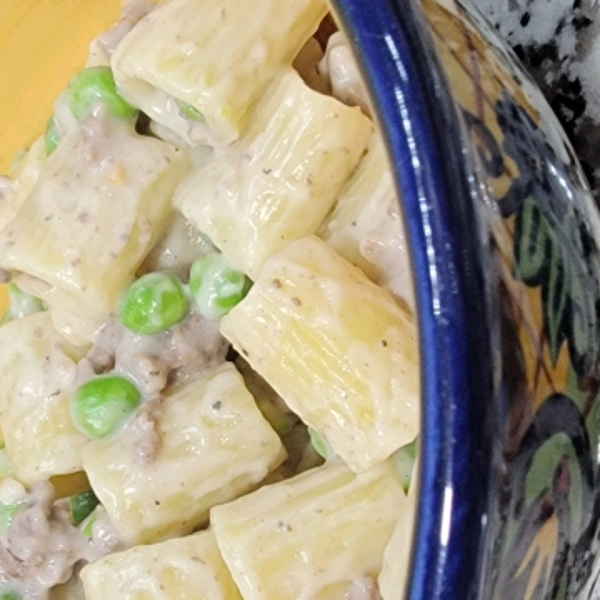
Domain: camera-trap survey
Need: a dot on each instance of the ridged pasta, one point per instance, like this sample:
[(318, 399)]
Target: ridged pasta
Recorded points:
[(23, 183), (180, 246), (215, 56), (366, 228), (337, 348), (313, 537), (37, 375), (215, 445), (98, 207), (395, 571), (180, 569), (72, 318), (279, 182)]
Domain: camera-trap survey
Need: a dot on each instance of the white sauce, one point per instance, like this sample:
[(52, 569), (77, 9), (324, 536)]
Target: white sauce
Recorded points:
[(365, 588), (5, 187), (103, 47), (340, 67), (179, 248), (153, 362), (385, 246)]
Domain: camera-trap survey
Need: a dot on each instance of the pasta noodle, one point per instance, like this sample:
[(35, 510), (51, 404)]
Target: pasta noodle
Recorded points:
[(325, 530), (189, 567), (216, 56), (71, 317), (281, 180), (365, 227), (25, 178), (214, 446), (89, 222), (337, 349), (37, 375), (394, 573)]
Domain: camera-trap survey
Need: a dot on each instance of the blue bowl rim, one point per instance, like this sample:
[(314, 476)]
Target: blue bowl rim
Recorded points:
[(463, 413)]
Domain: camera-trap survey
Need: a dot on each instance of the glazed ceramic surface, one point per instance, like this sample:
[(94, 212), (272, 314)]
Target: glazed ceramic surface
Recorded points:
[(545, 234), (504, 240), (509, 502)]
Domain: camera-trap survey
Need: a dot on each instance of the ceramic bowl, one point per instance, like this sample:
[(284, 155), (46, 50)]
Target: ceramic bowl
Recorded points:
[(504, 238)]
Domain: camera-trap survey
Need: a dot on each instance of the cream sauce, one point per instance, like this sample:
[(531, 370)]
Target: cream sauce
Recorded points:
[(153, 362), (133, 12), (365, 588), (339, 66), (178, 249), (385, 246)]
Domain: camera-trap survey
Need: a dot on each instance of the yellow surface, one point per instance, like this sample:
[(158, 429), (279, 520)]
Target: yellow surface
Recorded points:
[(43, 43), (71, 484), (4, 300)]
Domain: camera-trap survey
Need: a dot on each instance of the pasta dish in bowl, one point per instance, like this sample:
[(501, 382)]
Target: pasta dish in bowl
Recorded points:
[(208, 350), (221, 377)]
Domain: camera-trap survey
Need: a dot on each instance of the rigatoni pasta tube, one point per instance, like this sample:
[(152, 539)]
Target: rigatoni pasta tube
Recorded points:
[(396, 563), (24, 181), (98, 207), (37, 376), (313, 537), (215, 445), (366, 228), (394, 574), (279, 182), (72, 318), (189, 567), (336, 347), (198, 67)]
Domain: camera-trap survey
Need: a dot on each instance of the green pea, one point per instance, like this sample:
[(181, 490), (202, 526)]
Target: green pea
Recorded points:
[(215, 286), (7, 514), (405, 458), (153, 303), (102, 405), (21, 304), (9, 596), (320, 444), (52, 137), (93, 86), (82, 506), (192, 113)]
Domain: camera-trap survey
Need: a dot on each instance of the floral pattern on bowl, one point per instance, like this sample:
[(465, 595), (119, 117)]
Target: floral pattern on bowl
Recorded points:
[(545, 232)]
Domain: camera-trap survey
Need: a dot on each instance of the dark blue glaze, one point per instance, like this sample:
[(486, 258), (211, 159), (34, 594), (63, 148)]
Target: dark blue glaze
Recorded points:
[(463, 423)]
